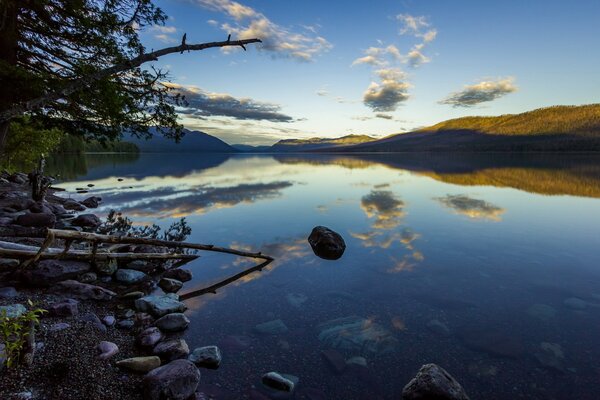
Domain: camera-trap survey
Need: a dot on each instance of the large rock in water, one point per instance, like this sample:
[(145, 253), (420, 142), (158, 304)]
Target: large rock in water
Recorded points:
[(83, 291), (433, 383), (48, 272), (177, 380), (160, 305), (326, 243)]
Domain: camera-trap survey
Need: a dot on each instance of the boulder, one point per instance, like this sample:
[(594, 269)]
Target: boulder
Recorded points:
[(149, 337), (433, 382), (274, 327), (182, 275), (13, 310), (83, 291), (48, 272), (177, 380), (86, 221), (139, 364), (276, 381), (129, 276), (66, 308), (170, 350), (41, 220), (106, 350), (158, 306), (92, 202), (326, 243), (170, 285), (172, 322), (207, 357)]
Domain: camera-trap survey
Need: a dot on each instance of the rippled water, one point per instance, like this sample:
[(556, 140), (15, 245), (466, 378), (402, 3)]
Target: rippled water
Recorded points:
[(487, 265)]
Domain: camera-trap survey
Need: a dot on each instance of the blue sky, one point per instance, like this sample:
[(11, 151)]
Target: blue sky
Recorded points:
[(331, 68)]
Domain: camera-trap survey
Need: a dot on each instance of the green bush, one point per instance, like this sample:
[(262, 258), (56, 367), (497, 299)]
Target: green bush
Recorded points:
[(14, 332)]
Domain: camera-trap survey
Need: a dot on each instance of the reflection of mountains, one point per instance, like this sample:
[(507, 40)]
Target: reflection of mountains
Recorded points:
[(577, 175)]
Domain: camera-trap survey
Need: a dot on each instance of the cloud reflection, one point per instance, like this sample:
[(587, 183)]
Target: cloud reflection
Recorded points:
[(472, 208)]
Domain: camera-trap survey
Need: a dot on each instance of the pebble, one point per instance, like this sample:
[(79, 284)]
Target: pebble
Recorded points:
[(125, 324), (108, 320), (59, 326), (139, 364), (106, 350)]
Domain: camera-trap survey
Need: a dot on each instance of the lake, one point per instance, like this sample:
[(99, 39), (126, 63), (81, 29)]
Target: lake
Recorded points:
[(488, 265)]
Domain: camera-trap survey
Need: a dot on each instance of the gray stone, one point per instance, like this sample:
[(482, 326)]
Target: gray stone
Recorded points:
[(160, 305), (13, 310), (207, 357), (66, 308), (107, 268), (8, 264), (92, 202), (142, 265), (272, 327), (170, 350), (433, 382), (8, 292), (126, 313), (48, 272), (40, 220), (73, 205), (177, 380), (326, 243), (83, 291), (107, 350), (174, 322), (129, 276), (182, 275), (88, 277), (108, 320), (93, 319), (438, 327), (86, 221), (277, 381), (125, 324), (139, 364), (170, 285), (150, 337), (59, 326)]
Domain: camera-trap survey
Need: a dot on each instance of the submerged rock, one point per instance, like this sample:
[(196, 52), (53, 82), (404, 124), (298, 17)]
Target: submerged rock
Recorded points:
[(177, 380), (357, 334), (158, 306), (180, 274), (334, 360), (139, 364), (296, 299), (207, 357), (542, 312), (272, 327), (170, 285), (172, 322), (575, 303), (551, 356), (433, 382), (493, 341), (326, 243), (277, 381), (438, 327)]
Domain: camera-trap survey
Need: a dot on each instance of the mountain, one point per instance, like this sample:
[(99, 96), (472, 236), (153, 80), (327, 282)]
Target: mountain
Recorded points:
[(246, 148), (192, 142), (558, 128), (302, 145)]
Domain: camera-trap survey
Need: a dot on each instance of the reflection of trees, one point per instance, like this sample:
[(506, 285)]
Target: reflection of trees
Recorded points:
[(387, 210), (472, 208), (71, 166)]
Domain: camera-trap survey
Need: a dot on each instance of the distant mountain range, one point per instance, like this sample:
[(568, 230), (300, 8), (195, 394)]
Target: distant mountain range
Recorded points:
[(558, 128)]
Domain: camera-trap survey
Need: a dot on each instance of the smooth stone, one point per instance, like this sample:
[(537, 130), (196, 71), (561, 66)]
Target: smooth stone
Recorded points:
[(8, 292), (160, 305), (94, 320), (66, 308), (73, 205), (125, 324), (170, 285), (276, 381), (126, 313), (139, 364), (326, 243), (92, 202), (150, 337), (107, 268), (86, 221), (83, 291), (177, 380), (143, 319), (37, 220), (438, 327), (272, 327), (182, 275), (59, 326), (13, 310), (575, 303), (172, 322), (108, 320), (334, 360), (48, 272), (132, 295), (129, 276), (433, 382), (207, 357), (106, 350), (170, 350)]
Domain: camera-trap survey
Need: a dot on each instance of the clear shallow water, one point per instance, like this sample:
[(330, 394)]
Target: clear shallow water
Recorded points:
[(485, 264)]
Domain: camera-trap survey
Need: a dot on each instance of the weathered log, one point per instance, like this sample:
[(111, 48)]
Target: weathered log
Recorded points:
[(88, 256)]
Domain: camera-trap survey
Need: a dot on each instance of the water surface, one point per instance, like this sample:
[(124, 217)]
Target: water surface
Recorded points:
[(487, 265)]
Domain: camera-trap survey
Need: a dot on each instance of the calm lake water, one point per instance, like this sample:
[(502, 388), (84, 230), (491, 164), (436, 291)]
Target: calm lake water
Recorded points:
[(487, 265)]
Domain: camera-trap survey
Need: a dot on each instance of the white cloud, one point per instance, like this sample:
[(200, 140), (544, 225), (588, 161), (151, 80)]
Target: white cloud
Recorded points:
[(389, 93), (282, 42), (484, 91)]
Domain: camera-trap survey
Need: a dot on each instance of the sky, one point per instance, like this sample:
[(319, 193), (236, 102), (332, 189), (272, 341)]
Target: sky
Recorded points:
[(334, 68)]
